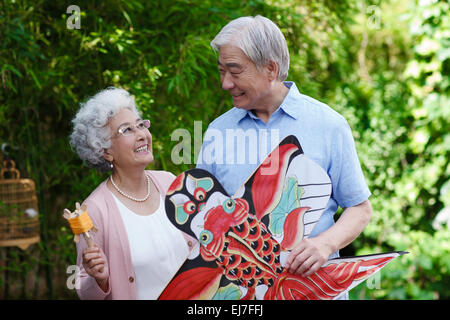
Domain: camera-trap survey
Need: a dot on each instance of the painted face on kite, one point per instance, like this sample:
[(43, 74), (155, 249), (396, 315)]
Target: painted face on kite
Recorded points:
[(193, 200)]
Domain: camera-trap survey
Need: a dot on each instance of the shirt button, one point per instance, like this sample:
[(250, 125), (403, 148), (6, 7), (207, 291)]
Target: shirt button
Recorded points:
[(131, 279)]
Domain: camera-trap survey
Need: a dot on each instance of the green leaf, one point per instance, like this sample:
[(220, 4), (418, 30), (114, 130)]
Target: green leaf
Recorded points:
[(11, 68), (36, 80)]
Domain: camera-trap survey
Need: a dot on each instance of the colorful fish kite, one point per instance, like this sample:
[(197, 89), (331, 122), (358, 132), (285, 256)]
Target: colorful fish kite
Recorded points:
[(246, 238)]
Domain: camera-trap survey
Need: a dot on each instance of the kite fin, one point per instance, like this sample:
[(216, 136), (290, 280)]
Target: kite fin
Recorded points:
[(194, 284), (330, 281), (293, 228)]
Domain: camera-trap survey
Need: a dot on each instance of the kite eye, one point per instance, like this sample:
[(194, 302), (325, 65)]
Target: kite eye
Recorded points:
[(189, 207), (206, 237), (228, 205), (200, 194)]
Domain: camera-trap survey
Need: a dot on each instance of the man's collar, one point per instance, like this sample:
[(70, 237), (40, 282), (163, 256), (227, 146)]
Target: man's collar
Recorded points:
[(241, 114), (289, 104)]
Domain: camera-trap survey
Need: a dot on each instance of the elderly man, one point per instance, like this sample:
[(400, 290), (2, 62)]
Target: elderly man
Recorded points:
[(253, 64)]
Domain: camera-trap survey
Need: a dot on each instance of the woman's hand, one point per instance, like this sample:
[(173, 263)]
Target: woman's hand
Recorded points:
[(96, 265)]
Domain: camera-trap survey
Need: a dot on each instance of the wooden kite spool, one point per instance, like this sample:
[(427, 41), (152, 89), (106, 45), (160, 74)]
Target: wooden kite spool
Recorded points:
[(80, 223), (19, 221)]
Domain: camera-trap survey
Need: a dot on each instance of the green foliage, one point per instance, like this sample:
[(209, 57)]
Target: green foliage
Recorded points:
[(399, 111), (384, 67)]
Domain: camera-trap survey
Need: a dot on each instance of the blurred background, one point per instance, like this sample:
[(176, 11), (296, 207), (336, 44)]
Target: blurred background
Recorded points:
[(384, 65)]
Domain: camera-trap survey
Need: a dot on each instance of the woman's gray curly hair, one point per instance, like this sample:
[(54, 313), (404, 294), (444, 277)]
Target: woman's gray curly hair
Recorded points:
[(91, 135)]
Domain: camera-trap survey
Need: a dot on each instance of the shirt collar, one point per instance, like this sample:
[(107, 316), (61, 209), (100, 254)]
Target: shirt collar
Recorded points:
[(241, 114), (289, 104)]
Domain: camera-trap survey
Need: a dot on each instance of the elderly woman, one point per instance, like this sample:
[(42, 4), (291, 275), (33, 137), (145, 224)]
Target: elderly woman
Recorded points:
[(137, 249)]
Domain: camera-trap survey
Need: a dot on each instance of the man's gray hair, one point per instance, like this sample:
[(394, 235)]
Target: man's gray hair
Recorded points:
[(259, 38), (91, 135)]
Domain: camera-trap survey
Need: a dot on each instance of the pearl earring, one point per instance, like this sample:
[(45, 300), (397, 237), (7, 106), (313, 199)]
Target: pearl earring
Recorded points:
[(111, 165)]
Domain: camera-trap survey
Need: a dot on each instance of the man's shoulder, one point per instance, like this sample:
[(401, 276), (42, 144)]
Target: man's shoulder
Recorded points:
[(317, 111), (310, 110), (227, 119), (318, 106)]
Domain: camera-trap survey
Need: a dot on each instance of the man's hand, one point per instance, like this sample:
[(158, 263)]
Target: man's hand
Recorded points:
[(308, 257), (312, 253)]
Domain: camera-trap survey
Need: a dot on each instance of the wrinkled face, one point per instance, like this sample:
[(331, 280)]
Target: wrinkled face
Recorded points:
[(248, 85), (217, 222), (131, 150)]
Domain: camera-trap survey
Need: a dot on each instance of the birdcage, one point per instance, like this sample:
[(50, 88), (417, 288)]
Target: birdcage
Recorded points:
[(19, 221)]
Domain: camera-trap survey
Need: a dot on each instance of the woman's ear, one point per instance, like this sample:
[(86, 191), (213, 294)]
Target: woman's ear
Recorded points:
[(107, 155)]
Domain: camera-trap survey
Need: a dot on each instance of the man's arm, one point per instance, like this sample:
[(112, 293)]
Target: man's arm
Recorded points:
[(312, 253)]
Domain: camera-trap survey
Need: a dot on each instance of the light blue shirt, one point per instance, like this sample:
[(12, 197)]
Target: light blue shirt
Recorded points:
[(238, 141)]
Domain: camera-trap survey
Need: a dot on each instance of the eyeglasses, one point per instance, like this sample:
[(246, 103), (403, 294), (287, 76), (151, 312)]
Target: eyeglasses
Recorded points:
[(128, 129)]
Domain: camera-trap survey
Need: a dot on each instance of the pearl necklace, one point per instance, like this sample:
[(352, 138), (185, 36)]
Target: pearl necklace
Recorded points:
[(130, 197)]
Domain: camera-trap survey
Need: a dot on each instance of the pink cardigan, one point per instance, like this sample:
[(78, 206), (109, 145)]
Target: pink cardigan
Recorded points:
[(113, 239)]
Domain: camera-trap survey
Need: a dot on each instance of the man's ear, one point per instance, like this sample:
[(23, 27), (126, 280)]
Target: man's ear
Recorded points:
[(272, 70)]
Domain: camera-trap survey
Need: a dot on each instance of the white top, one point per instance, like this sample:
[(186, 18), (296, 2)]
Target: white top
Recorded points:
[(157, 248)]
